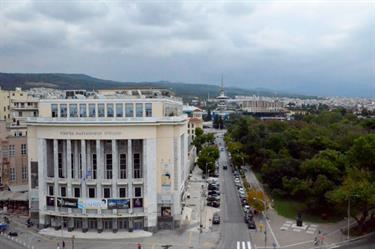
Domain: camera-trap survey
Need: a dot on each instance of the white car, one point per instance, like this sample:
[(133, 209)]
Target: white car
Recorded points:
[(246, 208)]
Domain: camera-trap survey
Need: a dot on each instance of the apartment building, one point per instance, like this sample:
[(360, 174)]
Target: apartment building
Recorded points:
[(108, 162)]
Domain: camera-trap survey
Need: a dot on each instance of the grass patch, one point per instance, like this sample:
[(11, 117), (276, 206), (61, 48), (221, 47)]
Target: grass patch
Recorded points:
[(290, 208)]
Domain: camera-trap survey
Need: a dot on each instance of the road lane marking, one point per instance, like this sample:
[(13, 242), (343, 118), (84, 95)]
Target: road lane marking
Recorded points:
[(243, 245), (248, 245), (238, 245)]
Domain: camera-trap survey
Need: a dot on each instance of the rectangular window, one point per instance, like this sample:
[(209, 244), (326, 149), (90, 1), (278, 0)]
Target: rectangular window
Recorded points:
[(107, 192), (94, 166), (129, 110), (24, 173), (12, 150), (63, 191), (77, 192), (108, 166), (63, 110), (60, 165), (148, 109), (92, 110), (137, 165), (122, 192), (119, 110), (110, 113), (137, 191), (23, 149), (50, 190), (54, 111), (72, 160), (92, 193), (101, 112), (12, 174), (139, 110), (82, 111), (122, 166), (73, 111)]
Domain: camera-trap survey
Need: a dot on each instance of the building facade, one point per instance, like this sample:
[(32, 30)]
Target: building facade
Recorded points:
[(108, 162)]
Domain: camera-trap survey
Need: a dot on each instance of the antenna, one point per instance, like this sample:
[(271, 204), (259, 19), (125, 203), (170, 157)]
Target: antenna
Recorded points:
[(222, 82)]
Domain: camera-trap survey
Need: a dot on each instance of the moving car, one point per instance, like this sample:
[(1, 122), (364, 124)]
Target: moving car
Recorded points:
[(216, 218)]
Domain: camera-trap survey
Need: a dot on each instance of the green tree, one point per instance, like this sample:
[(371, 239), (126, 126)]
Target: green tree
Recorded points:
[(207, 158), (362, 153)]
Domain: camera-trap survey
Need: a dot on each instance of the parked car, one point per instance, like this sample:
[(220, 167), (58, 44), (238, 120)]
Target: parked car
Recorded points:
[(216, 218), (214, 192), (244, 202), (248, 217), (251, 225), (242, 195), (214, 204), (3, 227), (13, 234), (225, 167), (213, 188), (213, 198)]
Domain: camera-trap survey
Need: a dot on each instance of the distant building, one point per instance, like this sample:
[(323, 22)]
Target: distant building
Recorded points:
[(112, 161), (255, 104), (195, 120)]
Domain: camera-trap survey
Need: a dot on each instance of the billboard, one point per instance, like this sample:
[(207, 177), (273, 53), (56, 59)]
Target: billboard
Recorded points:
[(92, 203), (50, 201), (118, 203), (67, 202), (137, 202)]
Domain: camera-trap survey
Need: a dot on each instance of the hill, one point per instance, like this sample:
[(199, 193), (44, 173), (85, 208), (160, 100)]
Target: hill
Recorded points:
[(82, 81)]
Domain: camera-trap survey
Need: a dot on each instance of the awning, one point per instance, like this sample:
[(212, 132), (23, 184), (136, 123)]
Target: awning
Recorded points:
[(13, 196), (19, 188)]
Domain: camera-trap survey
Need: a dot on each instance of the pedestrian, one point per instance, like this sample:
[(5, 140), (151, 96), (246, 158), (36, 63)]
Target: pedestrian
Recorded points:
[(58, 246), (139, 246), (63, 244)]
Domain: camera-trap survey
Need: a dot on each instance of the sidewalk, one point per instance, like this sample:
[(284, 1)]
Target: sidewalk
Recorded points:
[(95, 235), (284, 232)]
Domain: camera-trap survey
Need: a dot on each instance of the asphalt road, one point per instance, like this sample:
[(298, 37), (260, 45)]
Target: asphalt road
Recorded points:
[(234, 233), (366, 243), (8, 244)]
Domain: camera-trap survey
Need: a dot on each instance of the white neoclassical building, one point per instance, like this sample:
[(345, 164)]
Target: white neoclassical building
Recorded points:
[(108, 162)]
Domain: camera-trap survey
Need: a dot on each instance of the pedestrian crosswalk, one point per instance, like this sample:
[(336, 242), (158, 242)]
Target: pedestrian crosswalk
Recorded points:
[(243, 245)]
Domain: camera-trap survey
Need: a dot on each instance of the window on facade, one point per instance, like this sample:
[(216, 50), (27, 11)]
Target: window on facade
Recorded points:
[(24, 173), (94, 166), (137, 173), (139, 110), (23, 149), (63, 191), (119, 111), (137, 191), (77, 192), (73, 111), (101, 112), (92, 193), (92, 110), (129, 110), (122, 192), (110, 113), (60, 165), (122, 166), (12, 174), (148, 109), (50, 190), (63, 110), (12, 150), (107, 192), (82, 111), (72, 162), (108, 166), (54, 111)]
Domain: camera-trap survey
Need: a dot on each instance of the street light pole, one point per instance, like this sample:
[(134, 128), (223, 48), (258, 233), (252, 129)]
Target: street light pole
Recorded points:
[(348, 236), (265, 221)]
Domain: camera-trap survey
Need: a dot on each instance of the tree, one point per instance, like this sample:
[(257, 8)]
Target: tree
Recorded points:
[(207, 158), (201, 139), (359, 187), (257, 199), (362, 153)]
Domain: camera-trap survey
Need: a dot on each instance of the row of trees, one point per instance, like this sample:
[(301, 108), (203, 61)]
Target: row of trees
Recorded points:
[(207, 151), (322, 160)]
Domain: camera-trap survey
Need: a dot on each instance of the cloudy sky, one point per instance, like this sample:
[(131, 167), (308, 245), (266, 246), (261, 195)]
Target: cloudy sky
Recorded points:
[(302, 46)]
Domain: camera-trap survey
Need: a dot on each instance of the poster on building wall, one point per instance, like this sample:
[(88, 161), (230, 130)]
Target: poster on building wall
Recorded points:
[(166, 211), (67, 202), (50, 201), (92, 203), (118, 203), (166, 178), (137, 202)]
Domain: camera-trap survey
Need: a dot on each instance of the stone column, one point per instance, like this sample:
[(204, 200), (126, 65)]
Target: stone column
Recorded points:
[(115, 167), (76, 159), (84, 169), (150, 183), (99, 167), (68, 159), (56, 169), (88, 158), (42, 173), (130, 181)]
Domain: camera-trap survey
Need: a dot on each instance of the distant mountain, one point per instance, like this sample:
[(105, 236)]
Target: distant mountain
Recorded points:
[(82, 81)]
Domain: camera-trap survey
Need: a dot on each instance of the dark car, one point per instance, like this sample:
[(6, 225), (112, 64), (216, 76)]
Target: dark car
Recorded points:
[(13, 234), (213, 198), (214, 192), (248, 217), (225, 167), (244, 202), (216, 184), (216, 219), (214, 204), (211, 187), (251, 225)]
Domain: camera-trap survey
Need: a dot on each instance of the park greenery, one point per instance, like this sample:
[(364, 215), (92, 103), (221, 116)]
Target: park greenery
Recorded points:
[(207, 151), (322, 161)]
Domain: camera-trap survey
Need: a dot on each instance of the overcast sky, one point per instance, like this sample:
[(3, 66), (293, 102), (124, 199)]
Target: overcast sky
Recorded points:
[(302, 46)]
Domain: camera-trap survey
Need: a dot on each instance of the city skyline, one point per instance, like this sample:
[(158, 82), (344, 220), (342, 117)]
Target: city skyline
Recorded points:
[(313, 47)]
